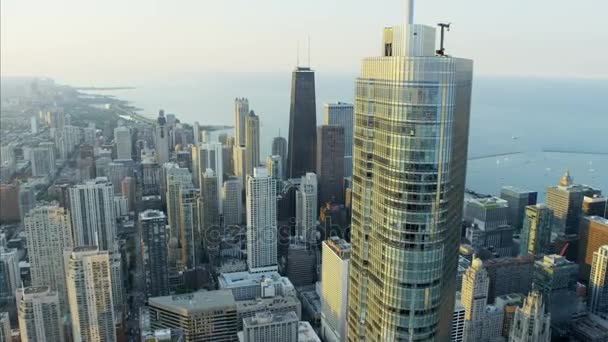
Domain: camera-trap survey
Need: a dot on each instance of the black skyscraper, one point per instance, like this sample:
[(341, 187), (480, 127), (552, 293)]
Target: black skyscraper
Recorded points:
[(302, 124)]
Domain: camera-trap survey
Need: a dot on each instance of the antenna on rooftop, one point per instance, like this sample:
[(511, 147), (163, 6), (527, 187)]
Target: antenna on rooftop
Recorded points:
[(409, 12), (298, 54), (441, 51), (309, 50)]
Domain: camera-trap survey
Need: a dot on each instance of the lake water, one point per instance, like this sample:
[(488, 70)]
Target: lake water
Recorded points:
[(541, 114)]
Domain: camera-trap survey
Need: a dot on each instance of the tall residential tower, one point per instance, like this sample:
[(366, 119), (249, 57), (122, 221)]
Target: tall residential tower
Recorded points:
[(412, 109)]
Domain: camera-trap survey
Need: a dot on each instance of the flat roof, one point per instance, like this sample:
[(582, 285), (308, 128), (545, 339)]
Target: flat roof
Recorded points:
[(597, 219), (196, 302)]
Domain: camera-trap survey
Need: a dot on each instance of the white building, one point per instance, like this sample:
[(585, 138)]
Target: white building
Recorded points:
[(232, 202), (268, 327), (248, 286), (39, 315), (261, 222), (307, 207), (458, 318), (48, 230), (531, 323), (598, 282), (89, 286), (93, 214), (341, 114), (474, 298), (122, 138), (252, 141), (334, 285)]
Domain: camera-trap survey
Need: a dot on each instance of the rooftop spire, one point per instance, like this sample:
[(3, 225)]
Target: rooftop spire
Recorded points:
[(409, 12)]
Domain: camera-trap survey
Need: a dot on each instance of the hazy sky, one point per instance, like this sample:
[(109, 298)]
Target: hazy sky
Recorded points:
[(114, 41)]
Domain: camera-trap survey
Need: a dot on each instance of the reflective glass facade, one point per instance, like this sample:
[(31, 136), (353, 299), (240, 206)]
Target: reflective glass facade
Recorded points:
[(411, 125)]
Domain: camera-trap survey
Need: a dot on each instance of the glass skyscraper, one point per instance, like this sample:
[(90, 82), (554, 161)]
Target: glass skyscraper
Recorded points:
[(302, 124), (411, 128)]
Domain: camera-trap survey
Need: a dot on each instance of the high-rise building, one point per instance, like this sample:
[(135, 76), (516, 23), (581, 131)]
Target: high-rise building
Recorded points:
[(48, 230), (116, 171), (531, 323), (127, 187), (27, 199), (302, 123), (334, 283), (508, 304), (239, 159), (509, 275), (274, 304), (39, 313), (535, 235), (593, 234), (595, 206), (202, 316), (5, 327), (118, 289), (232, 201), (518, 200), (150, 177), (89, 287), (122, 138), (209, 156), (176, 178), (252, 141), (261, 222), (474, 298), (458, 321), (241, 109), (306, 207), (488, 228), (9, 197), (154, 239), (301, 264), (274, 165), (268, 327), (279, 148), (196, 133), (555, 278), (42, 160), (93, 214), (209, 213), (341, 114), (189, 227), (161, 138), (598, 282), (566, 200), (408, 186), (330, 163), (10, 276)]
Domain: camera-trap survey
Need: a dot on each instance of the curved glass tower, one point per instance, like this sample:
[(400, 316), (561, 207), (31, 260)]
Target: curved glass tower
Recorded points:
[(410, 150)]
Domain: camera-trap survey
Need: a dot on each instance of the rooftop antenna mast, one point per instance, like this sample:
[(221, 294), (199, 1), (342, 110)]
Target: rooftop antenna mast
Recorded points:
[(309, 51), (441, 51), (298, 53), (409, 12)]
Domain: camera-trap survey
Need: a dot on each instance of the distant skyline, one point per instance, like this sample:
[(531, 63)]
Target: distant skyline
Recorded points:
[(113, 42)]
